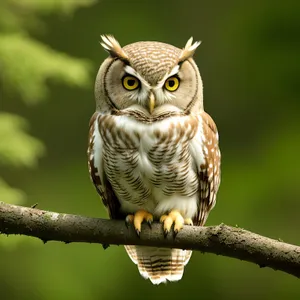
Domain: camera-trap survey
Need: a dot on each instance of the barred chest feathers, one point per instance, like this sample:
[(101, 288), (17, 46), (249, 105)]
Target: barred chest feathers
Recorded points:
[(151, 165), (153, 151)]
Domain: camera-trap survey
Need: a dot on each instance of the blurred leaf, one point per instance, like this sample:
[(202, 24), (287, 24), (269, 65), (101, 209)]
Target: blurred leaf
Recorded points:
[(11, 21), (23, 15), (26, 65), (9, 194), (51, 6), (18, 148)]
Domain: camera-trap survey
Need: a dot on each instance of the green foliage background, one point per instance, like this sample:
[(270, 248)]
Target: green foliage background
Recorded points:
[(250, 64)]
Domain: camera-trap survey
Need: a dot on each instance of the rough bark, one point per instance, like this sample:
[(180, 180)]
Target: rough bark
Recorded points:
[(221, 239)]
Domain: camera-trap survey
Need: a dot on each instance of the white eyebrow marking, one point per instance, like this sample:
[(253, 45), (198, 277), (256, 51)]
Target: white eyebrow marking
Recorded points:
[(139, 94), (174, 71), (134, 73)]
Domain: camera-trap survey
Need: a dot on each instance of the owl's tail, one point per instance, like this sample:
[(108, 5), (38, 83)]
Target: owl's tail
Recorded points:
[(159, 264)]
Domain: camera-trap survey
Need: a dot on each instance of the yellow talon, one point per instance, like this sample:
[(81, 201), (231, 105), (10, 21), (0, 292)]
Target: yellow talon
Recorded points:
[(138, 218), (173, 217), (188, 221)]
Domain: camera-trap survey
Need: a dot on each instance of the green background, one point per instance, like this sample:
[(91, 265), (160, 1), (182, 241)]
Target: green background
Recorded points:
[(250, 64)]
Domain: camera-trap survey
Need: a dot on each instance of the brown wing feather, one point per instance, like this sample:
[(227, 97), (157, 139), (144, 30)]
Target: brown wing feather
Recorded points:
[(103, 186), (209, 172)]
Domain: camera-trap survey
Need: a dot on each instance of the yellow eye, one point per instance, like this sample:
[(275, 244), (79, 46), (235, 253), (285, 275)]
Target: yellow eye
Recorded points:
[(130, 83), (172, 84)]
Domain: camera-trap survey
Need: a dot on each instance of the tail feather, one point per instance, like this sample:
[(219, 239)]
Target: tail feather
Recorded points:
[(159, 264)]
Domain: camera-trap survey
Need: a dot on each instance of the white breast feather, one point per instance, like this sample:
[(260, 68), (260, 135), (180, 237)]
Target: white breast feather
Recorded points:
[(158, 203), (97, 151)]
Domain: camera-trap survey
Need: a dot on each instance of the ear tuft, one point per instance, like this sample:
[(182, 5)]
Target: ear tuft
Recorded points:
[(188, 50), (110, 44)]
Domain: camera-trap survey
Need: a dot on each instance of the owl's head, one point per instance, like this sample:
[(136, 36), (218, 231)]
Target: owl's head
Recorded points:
[(149, 77)]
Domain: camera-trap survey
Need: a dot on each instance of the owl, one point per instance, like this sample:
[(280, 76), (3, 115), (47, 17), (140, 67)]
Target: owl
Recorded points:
[(153, 151)]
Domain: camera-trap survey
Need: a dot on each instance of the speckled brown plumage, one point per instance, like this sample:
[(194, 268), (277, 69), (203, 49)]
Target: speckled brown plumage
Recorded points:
[(156, 160), (152, 59)]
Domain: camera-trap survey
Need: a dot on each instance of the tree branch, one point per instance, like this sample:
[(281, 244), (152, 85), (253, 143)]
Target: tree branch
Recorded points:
[(222, 239)]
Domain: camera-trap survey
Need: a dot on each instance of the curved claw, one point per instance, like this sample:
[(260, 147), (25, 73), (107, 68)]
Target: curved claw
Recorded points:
[(174, 217), (188, 221), (166, 232), (138, 218), (138, 232), (175, 232)]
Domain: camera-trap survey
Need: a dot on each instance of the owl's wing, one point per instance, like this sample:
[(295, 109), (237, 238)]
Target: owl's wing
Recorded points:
[(96, 169), (209, 173)]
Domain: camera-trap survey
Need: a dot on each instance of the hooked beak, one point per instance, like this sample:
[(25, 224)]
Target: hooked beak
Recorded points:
[(151, 103)]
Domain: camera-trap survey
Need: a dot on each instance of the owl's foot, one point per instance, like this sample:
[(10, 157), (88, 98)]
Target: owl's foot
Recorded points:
[(138, 218), (174, 217), (188, 221)]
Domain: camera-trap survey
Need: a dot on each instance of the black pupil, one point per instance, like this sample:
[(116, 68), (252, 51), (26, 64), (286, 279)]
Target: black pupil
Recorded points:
[(171, 83), (131, 82)]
